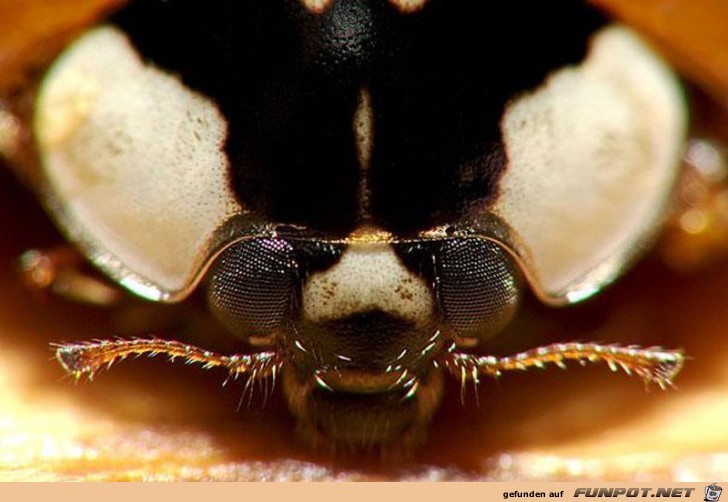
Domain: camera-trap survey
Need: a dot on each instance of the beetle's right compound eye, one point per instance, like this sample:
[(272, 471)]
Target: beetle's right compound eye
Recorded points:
[(479, 286), (252, 285)]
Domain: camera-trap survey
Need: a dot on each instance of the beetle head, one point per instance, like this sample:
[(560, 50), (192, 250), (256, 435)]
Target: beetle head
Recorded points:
[(362, 323)]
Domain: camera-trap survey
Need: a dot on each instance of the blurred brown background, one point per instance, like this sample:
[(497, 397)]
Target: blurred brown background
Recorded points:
[(151, 420)]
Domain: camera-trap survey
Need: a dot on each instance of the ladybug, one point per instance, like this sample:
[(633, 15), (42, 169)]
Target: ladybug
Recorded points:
[(363, 189)]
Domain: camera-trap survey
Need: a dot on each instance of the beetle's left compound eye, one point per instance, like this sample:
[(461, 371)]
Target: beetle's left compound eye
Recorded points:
[(251, 286), (478, 286)]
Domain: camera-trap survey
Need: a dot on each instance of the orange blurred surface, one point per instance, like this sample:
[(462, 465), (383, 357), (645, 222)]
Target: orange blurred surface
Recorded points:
[(691, 33), (147, 420)]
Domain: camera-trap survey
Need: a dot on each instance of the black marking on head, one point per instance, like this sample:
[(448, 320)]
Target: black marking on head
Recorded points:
[(288, 81)]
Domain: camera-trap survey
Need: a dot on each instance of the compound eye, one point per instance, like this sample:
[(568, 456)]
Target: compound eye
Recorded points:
[(479, 286), (252, 285)]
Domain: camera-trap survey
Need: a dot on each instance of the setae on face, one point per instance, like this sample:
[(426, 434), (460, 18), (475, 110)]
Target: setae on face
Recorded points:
[(363, 190)]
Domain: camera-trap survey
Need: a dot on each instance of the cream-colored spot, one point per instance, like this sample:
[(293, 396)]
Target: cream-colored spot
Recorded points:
[(134, 164), (317, 6), (593, 154), (363, 127), (67, 108), (369, 276), (409, 6)]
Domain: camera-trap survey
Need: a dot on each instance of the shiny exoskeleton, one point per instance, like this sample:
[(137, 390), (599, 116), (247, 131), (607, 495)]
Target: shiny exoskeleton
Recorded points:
[(361, 185)]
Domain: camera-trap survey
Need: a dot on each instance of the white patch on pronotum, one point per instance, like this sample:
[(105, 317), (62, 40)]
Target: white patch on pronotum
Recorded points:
[(368, 276), (593, 155), (134, 163), (363, 127)]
